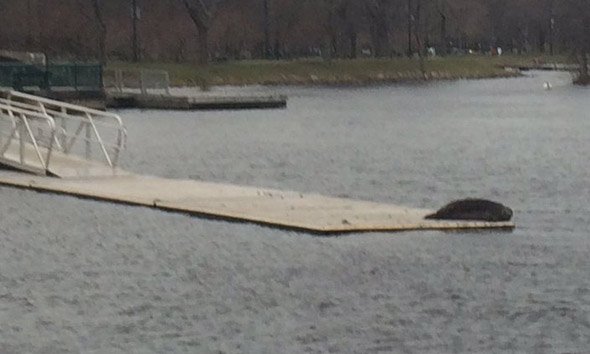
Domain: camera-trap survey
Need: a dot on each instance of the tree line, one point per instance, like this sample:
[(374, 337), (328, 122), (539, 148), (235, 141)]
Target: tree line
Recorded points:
[(206, 30)]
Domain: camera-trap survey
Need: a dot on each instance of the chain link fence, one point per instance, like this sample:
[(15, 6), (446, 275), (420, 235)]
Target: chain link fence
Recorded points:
[(76, 77)]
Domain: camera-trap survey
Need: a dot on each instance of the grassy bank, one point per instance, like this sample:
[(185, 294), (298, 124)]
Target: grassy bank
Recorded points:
[(345, 72)]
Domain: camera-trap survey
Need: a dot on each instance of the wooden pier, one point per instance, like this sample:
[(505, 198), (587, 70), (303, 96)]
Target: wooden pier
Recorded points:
[(205, 102)]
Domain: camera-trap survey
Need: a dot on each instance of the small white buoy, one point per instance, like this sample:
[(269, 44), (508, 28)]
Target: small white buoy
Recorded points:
[(547, 85)]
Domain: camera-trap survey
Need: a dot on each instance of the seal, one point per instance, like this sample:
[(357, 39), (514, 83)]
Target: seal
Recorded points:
[(473, 209)]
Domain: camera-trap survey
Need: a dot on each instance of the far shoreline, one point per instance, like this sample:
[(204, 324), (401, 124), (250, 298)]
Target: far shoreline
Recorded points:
[(334, 73)]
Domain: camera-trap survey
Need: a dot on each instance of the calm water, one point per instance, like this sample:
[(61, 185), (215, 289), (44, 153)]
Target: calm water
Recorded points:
[(79, 276)]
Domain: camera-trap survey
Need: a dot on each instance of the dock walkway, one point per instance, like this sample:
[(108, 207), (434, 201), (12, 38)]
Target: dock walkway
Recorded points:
[(81, 147), (312, 213)]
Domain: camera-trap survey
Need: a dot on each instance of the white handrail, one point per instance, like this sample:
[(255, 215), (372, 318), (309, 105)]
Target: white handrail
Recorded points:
[(87, 119), (22, 133), (69, 106), (142, 79)]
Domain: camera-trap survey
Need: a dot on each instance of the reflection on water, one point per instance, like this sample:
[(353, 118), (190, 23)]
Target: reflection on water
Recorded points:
[(82, 276)]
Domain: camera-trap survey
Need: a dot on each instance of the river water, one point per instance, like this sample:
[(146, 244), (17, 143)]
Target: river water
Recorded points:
[(79, 276)]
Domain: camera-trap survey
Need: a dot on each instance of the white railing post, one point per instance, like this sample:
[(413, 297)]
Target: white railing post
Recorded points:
[(21, 136), (100, 142), (142, 83), (167, 82), (119, 79), (34, 141), (88, 146)]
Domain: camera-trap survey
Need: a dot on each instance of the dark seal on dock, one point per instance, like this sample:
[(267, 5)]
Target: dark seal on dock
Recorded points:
[(473, 209)]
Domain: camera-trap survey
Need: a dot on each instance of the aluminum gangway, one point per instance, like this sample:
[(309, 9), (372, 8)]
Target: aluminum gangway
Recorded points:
[(49, 137)]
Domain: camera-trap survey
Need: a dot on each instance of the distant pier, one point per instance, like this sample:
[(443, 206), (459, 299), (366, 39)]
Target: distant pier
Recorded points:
[(205, 102), (150, 89), (545, 67)]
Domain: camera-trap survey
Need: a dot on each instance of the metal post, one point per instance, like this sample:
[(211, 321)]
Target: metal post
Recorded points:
[(21, 135), (64, 127), (119, 79), (88, 146), (142, 84), (167, 82), (100, 77), (46, 78)]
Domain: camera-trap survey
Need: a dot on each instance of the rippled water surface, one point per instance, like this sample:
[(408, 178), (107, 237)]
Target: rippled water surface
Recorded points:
[(78, 276)]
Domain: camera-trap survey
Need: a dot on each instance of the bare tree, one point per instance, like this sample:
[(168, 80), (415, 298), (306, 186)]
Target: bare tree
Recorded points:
[(441, 9), (231, 28), (266, 26), (341, 20), (377, 11), (201, 16), (101, 29), (419, 35), (329, 46), (100, 26)]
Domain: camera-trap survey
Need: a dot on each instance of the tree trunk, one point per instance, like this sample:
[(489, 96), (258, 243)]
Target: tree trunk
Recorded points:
[(102, 31), (410, 23), (443, 34), (379, 34), (201, 18), (542, 41), (266, 25), (203, 40), (419, 41), (352, 37)]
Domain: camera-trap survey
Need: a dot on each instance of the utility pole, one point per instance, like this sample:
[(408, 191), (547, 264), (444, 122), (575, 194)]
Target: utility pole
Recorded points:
[(266, 19), (135, 38)]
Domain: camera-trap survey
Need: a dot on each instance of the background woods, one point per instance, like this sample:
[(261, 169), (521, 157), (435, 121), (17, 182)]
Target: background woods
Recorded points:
[(203, 30)]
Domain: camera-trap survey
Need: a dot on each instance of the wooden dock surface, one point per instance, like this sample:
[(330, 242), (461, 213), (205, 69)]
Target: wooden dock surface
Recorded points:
[(289, 210), (206, 102)]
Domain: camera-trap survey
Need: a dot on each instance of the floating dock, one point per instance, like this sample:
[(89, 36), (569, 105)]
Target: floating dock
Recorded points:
[(311, 213), (205, 102), (545, 67)]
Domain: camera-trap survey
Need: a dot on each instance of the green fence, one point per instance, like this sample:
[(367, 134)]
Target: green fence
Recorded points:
[(53, 76)]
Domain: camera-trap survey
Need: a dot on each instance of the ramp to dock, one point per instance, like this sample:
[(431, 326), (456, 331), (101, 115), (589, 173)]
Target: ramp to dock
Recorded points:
[(82, 146), (49, 137)]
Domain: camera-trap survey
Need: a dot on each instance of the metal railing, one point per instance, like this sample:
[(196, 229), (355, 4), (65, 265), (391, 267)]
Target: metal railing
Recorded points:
[(21, 128), (77, 129), (137, 79)]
